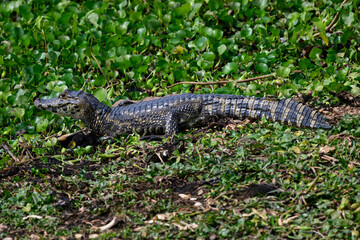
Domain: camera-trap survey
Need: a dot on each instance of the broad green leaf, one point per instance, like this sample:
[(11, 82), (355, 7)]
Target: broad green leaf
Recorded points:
[(221, 49), (262, 67), (179, 36), (346, 35), (217, 34), (67, 77), (200, 42), (122, 13), (246, 32), (18, 112), (100, 94), (208, 31), (319, 24), (153, 24), (230, 68), (183, 10), (209, 56), (123, 4), (235, 6), (135, 60), (305, 63), (315, 54), (205, 64), (93, 19), (136, 16), (355, 90), (348, 18), (261, 4), (42, 125), (215, 4), (163, 64), (52, 56), (283, 71), (195, 10)]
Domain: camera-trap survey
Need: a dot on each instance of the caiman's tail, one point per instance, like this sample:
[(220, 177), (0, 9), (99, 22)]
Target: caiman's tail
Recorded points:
[(286, 111)]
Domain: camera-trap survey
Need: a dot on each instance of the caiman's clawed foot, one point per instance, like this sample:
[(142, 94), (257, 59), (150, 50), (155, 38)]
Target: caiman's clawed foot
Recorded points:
[(79, 138)]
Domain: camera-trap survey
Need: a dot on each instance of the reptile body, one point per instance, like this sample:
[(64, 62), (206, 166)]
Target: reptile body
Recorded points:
[(166, 115)]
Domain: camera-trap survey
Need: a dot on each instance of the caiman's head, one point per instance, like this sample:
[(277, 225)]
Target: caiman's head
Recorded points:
[(76, 104)]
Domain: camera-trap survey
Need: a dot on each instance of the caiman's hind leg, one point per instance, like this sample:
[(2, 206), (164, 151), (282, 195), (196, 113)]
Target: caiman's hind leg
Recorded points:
[(183, 113)]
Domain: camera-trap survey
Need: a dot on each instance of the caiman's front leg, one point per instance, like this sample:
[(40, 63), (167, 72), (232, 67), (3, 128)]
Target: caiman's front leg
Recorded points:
[(183, 113)]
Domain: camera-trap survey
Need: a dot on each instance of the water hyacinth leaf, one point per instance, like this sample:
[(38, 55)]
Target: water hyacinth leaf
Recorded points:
[(123, 4), (179, 36), (208, 31), (195, 9), (221, 49), (183, 10), (100, 94), (283, 71), (246, 32), (230, 68), (136, 16), (348, 18), (217, 34), (18, 112), (261, 4), (209, 56), (153, 24), (215, 4), (42, 125), (200, 42), (52, 56), (93, 19), (235, 6), (262, 67)]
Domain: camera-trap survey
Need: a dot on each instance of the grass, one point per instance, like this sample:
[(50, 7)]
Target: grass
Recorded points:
[(193, 188)]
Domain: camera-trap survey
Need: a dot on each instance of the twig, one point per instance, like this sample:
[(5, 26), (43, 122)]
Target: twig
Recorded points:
[(10, 153), (328, 158), (336, 16), (32, 159), (230, 81), (334, 20), (113, 222), (92, 54), (97, 62)]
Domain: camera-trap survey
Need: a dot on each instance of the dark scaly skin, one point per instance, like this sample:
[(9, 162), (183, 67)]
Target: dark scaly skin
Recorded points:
[(165, 116)]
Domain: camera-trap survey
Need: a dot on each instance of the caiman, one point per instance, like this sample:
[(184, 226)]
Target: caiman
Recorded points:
[(166, 115)]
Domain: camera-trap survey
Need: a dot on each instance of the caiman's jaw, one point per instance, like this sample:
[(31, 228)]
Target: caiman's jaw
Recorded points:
[(75, 104)]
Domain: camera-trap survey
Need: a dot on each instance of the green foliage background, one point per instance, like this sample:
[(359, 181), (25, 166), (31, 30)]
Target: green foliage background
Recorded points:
[(133, 49)]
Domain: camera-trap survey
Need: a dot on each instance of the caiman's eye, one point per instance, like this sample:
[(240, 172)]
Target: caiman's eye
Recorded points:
[(62, 95)]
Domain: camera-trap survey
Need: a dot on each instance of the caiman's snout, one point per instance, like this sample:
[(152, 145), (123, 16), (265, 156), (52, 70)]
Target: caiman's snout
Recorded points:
[(75, 104), (45, 104), (38, 103)]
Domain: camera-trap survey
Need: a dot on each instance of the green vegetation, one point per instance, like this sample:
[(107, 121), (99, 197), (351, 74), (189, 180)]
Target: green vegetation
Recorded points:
[(192, 188)]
